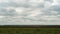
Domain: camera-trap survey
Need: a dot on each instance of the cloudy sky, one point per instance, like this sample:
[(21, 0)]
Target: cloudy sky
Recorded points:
[(29, 12)]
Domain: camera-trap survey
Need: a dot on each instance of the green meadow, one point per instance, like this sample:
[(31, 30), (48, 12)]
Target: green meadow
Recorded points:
[(29, 30)]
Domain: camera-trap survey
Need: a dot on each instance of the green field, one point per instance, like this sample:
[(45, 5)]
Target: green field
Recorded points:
[(29, 30)]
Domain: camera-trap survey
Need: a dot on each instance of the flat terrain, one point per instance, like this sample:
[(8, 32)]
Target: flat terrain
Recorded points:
[(29, 30)]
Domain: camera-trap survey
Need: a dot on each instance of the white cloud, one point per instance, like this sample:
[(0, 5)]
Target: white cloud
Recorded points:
[(3, 1), (49, 17), (35, 12), (2, 16), (19, 10)]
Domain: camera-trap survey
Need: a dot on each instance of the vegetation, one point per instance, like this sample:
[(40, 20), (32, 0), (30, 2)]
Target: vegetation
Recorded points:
[(29, 30)]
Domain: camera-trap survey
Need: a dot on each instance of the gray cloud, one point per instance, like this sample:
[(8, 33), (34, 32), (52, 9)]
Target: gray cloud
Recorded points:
[(55, 8), (25, 4), (5, 12), (49, 0), (40, 5)]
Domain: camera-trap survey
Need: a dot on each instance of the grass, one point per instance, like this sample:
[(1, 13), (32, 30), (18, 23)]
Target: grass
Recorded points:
[(29, 30)]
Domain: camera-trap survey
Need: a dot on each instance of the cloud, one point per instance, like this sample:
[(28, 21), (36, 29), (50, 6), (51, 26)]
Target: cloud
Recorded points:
[(29, 12), (55, 8), (48, 1), (21, 3), (7, 12)]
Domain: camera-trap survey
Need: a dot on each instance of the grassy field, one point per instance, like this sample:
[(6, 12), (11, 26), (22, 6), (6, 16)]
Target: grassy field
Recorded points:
[(29, 30)]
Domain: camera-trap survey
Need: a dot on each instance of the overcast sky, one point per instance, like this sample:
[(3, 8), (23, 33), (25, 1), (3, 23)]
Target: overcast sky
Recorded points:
[(29, 12)]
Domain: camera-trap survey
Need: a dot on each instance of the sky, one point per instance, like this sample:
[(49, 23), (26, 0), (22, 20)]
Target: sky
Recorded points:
[(29, 12)]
